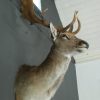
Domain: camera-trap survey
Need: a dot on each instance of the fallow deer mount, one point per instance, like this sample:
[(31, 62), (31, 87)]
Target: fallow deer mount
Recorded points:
[(41, 82)]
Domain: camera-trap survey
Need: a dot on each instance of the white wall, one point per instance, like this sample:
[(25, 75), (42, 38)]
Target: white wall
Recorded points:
[(38, 3), (88, 80)]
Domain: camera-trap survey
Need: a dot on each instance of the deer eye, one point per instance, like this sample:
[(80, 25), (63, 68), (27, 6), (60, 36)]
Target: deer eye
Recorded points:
[(65, 37)]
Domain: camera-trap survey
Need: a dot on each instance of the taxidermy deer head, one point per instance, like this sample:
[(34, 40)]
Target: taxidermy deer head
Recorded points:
[(41, 82), (66, 41)]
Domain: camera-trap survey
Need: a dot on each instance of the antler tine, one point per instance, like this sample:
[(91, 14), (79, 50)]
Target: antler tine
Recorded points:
[(79, 27), (69, 26), (74, 18), (73, 21)]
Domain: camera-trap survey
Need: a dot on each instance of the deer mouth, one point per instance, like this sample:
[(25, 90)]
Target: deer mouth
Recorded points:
[(83, 44), (80, 49)]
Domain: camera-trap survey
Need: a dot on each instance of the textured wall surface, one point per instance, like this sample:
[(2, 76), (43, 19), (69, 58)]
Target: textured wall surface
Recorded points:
[(19, 43)]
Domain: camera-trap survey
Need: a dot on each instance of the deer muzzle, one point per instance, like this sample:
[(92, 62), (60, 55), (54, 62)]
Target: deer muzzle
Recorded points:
[(83, 44)]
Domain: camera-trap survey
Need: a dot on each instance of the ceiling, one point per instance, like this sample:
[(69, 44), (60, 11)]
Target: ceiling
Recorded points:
[(89, 15)]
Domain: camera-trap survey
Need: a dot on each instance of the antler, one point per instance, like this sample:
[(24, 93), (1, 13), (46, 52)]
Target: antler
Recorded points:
[(69, 27), (70, 31), (27, 10), (73, 21), (79, 27)]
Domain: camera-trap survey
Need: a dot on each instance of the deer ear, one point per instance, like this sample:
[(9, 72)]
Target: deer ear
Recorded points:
[(53, 31)]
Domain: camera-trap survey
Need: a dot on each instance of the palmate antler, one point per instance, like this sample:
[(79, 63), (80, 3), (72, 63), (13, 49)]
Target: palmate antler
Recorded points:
[(27, 10)]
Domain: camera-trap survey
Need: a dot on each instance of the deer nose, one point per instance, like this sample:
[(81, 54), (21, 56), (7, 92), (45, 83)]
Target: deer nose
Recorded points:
[(83, 44)]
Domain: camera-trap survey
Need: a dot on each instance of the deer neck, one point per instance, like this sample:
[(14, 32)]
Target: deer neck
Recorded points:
[(55, 64), (45, 75)]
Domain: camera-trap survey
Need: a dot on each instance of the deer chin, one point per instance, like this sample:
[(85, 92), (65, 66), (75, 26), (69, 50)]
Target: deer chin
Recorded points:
[(78, 51), (81, 50)]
